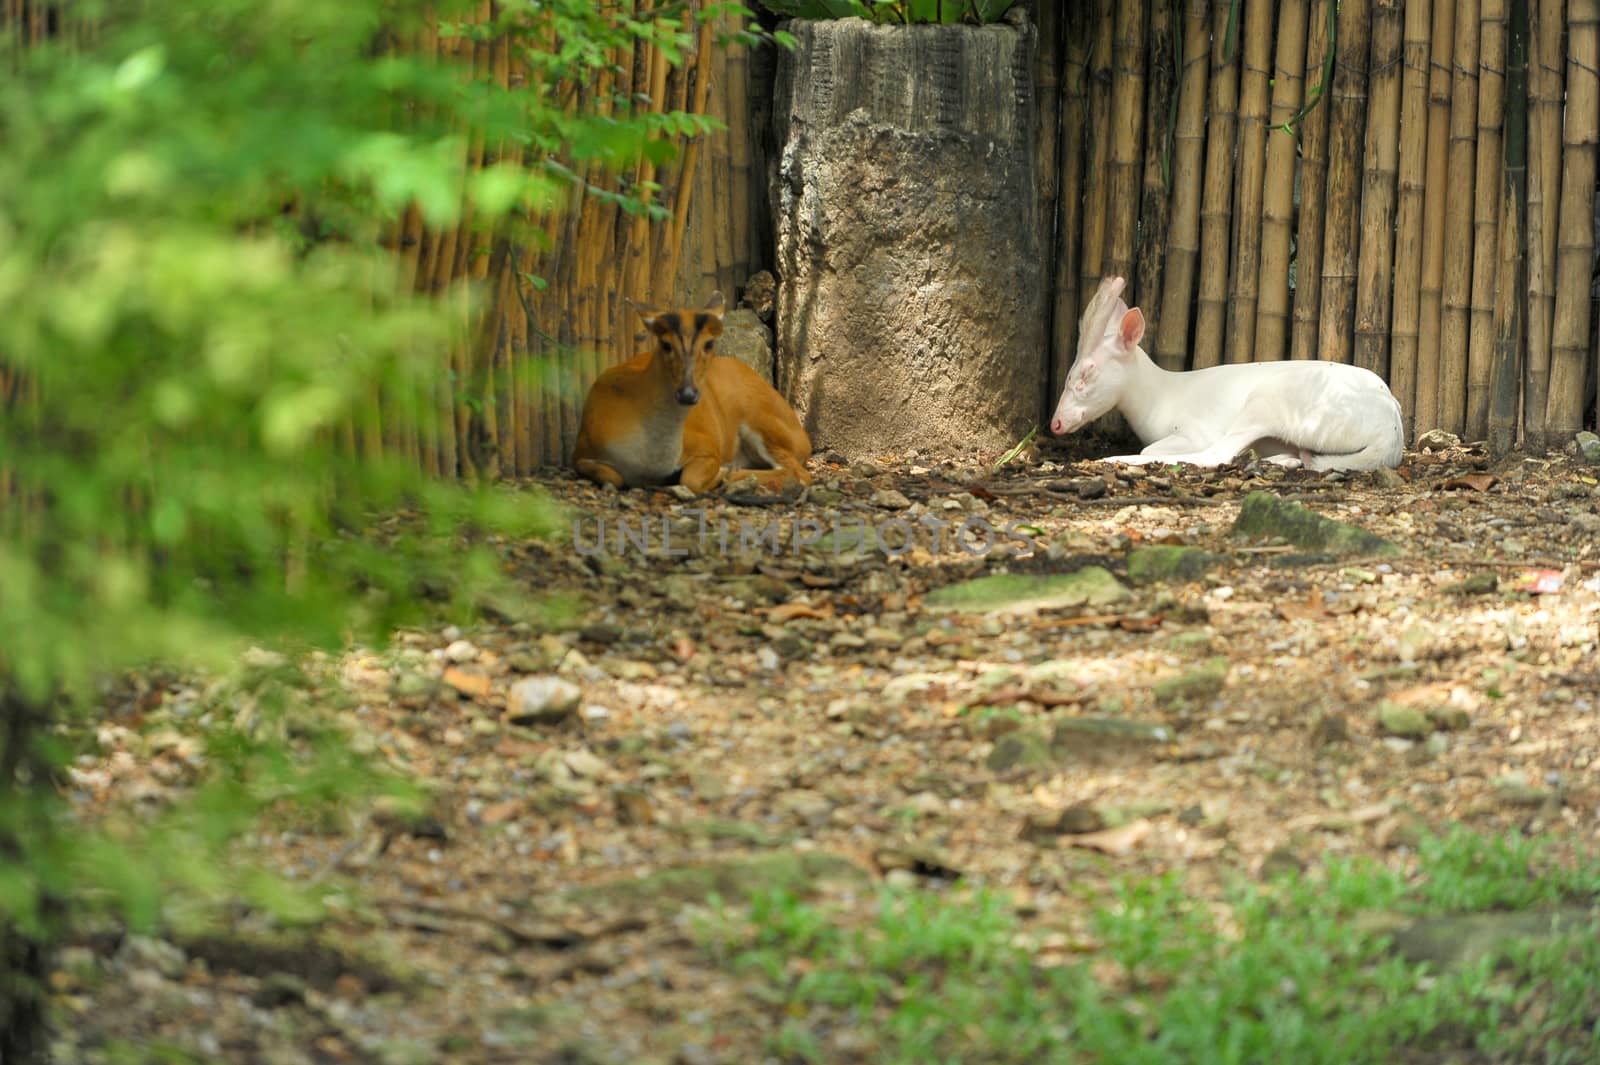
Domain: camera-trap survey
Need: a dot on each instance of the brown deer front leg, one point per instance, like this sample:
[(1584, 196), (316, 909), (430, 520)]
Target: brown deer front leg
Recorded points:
[(599, 472), (701, 473)]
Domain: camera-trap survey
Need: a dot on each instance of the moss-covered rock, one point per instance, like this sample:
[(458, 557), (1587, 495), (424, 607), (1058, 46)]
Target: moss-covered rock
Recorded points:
[(1265, 515), (1153, 565)]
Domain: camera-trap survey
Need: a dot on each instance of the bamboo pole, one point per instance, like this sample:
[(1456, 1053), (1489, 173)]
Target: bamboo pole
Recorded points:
[(1154, 200), (1575, 247), (1486, 212), (1211, 307), (1183, 234), (691, 153), (1313, 182), (1050, 67), (1376, 255), (732, 90), (1453, 333), (1506, 371), (1545, 88), (1239, 343), (1092, 246), (1346, 130), (1436, 197), (1277, 201), (1408, 224), (1127, 133), (1074, 112)]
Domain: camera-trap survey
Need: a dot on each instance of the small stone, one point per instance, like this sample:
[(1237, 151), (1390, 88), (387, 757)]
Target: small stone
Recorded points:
[(806, 805), (1514, 790), (279, 989), (402, 1051), (584, 763), (768, 659), (889, 499), (879, 636), (1388, 478), (484, 726), (1280, 861), (603, 633), (542, 701), (708, 786), (1202, 682), (1329, 728), (680, 492), (629, 669), (595, 715), (1449, 718), (1089, 487), (1403, 721), (1437, 440), (1477, 584), (846, 641), (1588, 448), (460, 651), (1021, 749), (634, 807), (1079, 819), (144, 952), (261, 658)]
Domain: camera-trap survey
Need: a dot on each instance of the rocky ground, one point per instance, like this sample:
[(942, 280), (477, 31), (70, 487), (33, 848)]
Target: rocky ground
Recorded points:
[(790, 708)]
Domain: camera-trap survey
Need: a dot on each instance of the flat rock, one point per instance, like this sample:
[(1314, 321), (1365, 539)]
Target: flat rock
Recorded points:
[(1025, 594)]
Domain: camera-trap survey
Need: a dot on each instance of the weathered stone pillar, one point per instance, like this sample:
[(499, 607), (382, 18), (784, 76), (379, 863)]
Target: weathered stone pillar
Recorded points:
[(911, 297)]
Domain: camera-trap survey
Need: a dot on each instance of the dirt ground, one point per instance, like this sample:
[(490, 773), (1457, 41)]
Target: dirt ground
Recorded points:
[(756, 713)]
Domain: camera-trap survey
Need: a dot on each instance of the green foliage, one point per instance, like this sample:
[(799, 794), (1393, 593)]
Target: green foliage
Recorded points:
[(1281, 972), (196, 322), (898, 12)]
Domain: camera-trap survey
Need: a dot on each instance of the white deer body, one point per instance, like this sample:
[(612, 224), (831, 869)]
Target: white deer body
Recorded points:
[(1323, 415)]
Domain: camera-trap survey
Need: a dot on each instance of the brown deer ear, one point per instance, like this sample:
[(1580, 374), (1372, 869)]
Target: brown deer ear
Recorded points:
[(715, 305), (646, 312)]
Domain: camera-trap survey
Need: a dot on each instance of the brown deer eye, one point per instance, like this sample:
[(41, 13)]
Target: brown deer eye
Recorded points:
[(710, 344)]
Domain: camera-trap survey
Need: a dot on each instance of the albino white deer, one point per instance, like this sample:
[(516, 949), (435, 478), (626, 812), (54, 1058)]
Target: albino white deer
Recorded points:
[(1323, 415)]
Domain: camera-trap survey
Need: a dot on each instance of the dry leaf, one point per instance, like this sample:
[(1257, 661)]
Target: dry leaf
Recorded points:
[(1478, 482), (792, 611), (1113, 841), (1311, 608), (498, 813)]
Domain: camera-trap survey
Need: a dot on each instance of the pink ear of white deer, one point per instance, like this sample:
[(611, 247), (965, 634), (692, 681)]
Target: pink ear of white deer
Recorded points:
[(1132, 328)]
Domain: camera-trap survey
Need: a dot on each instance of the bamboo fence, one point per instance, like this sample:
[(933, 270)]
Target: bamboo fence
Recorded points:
[(1409, 185), (508, 394), (1424, 204)]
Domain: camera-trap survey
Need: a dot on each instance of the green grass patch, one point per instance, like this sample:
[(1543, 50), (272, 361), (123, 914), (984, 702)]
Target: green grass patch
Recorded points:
[(1307, 968)]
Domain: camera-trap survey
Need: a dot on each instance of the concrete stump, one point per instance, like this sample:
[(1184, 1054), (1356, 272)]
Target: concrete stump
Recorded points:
[(910, 249)]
